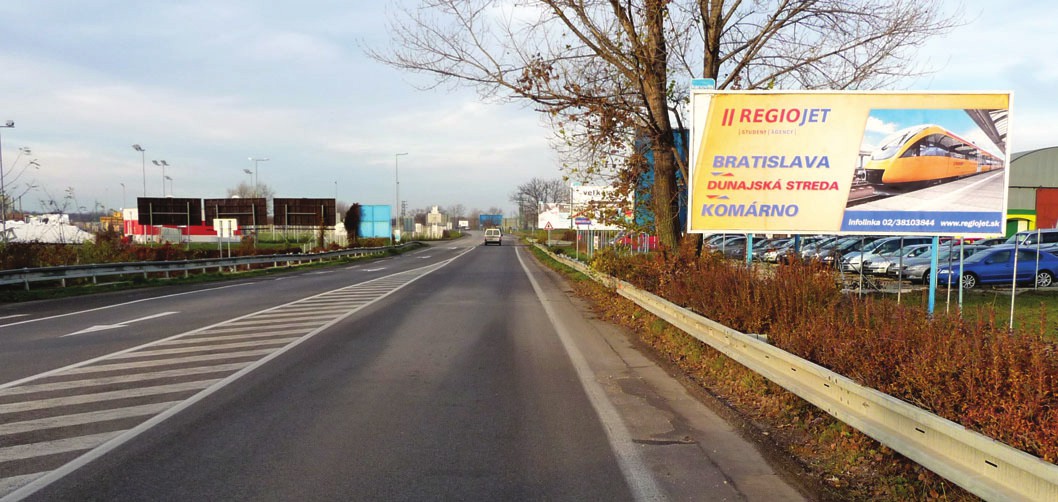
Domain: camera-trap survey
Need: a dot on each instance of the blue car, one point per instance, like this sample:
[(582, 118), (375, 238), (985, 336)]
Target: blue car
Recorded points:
[(996, 266)]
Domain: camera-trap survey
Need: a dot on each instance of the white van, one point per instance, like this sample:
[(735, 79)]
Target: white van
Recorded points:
[(493, 236)]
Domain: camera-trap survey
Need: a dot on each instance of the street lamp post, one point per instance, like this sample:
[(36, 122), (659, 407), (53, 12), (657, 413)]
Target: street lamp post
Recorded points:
[(170, 186), (396, 176), (143, 161), (3, 189), (122, 197), (256, 176), (163, 164)]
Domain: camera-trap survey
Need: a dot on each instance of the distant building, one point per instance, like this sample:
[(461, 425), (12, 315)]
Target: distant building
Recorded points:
[(1032, 200)]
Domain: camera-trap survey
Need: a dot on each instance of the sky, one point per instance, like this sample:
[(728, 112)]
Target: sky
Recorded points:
[(207, 84)]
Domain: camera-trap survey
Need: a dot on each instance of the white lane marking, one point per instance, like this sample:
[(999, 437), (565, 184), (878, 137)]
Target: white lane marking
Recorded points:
[(26, 488), (14, 482), (209, 347), (374, 269), (54, 402), (12, 316), (141, 300), (354, 267), (85, 418), (122, 379), (640, 480), (83, 370), (53, 447), (223, 338), (319, 273), (102, 327)]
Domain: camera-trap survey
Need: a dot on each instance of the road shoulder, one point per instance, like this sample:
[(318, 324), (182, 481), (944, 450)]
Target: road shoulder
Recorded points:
[(691, 449)]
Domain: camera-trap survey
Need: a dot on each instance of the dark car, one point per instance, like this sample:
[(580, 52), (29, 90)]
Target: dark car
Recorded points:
[(996, 266), (992, 241)]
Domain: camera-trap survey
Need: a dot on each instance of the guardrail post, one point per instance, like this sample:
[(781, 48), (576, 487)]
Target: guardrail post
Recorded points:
[(63, 282), (25, 278)]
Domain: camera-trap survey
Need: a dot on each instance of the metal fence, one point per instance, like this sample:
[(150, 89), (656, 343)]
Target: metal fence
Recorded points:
[(981, 465), (26, 276)]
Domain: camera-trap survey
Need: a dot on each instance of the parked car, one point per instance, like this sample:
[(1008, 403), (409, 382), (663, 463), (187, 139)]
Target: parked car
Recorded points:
[(635, 240), (761, 251), (1031, 237), (881, 263), (851, 261), (852, 244), (917, 269), (996, 266), (991, 241), (808, 251), (779, 252)]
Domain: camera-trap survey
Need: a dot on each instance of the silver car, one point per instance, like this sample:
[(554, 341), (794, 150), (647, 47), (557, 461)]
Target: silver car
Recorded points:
[(917, 269)]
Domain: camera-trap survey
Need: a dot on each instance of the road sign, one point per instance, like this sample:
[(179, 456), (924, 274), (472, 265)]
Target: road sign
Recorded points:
[(703, 83), (548, 226), (580, 220)]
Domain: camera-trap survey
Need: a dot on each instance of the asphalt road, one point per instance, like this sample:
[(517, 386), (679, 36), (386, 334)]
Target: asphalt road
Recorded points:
[(456, 372)]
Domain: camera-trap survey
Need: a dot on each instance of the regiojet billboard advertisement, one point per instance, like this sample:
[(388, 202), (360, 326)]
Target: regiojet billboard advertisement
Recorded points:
[(849, 162)]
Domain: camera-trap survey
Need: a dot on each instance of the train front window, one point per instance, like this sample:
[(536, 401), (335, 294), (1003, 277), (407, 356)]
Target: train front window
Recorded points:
[(891, 144)]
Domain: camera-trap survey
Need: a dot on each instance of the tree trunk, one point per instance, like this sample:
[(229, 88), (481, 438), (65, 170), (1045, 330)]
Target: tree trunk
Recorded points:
[(655, 78)]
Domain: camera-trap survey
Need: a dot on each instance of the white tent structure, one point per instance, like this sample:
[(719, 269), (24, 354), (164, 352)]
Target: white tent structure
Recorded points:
[(49, 229)]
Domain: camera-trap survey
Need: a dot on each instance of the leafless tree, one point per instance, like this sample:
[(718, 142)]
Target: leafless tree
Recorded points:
[(456, 211), (247, 191), (607, 73), (529, 195)]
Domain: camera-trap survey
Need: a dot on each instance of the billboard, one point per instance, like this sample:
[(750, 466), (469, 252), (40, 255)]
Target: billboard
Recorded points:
[(375, 222), (849, 162), (169, 211), (247, 212), (554, 214), (599, 207), (304, 212)]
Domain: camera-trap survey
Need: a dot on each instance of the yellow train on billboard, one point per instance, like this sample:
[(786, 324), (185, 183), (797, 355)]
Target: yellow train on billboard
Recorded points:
[(926, 154)]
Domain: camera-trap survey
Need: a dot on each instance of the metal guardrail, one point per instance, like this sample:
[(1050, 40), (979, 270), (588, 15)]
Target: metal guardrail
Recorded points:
[(27, 275), (979, 464)]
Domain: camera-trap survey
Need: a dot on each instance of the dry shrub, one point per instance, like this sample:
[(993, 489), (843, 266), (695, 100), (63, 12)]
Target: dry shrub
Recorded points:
[(1002, 384)]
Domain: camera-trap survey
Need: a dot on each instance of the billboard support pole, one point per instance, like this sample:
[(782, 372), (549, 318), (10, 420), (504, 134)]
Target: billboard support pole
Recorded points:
[(933, 259), (749, 249)]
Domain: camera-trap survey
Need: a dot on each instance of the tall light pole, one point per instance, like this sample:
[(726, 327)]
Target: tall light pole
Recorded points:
[(122, 197), (163, 164), (256, 176), (396, 176), (143, 160), (170, 186), (3, 189)]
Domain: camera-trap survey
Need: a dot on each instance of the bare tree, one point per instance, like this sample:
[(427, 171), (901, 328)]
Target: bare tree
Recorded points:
[(529, 195), (456, 211), (609, 73), (246, 191)]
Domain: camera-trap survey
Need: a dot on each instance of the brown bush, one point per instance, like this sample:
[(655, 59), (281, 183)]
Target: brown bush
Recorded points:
[(1002, 384)]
